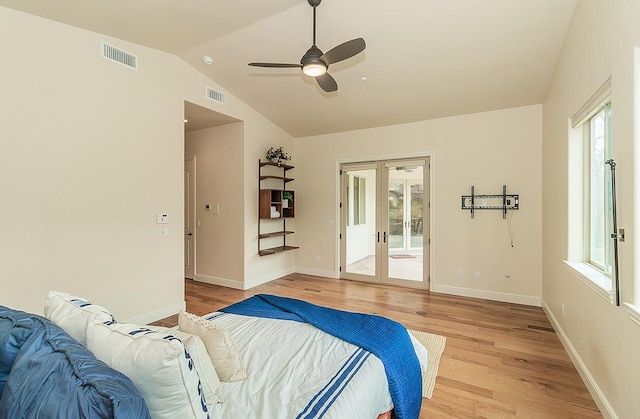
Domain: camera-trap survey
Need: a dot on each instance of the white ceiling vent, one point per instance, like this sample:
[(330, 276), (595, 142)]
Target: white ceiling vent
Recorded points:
[(119, 56), (216, 96)]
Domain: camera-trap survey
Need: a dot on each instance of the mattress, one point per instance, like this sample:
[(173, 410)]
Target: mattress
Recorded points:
[(298, 371)]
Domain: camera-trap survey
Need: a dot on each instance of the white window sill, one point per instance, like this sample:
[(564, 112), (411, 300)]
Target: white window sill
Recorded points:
[(594, 279), (634, 313)]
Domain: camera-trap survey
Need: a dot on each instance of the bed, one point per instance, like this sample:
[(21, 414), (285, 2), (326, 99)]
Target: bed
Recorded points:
[(296, 370)]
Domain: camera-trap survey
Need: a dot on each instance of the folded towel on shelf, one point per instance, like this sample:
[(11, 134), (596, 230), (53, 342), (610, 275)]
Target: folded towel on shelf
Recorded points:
[(275, 214)]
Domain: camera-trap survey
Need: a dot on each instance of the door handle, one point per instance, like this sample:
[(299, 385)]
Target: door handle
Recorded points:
[(385, 237), (378, 237), (189, 234)]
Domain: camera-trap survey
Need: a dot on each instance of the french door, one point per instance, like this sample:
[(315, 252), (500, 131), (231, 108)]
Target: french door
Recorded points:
[(385, 222)]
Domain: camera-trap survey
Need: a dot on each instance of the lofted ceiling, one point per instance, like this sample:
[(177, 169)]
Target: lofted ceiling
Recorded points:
[(424, 59)]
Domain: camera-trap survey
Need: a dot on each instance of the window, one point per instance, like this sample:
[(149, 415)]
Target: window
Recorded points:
[(356, 196), (590, 223), (598, 202), (359, 202)]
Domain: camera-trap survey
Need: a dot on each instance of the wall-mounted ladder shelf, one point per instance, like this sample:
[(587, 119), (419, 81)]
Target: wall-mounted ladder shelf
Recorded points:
[(502, 202), (275, 205)]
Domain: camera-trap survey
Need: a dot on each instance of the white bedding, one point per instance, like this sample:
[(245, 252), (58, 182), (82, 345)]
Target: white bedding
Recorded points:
[(289, 363)]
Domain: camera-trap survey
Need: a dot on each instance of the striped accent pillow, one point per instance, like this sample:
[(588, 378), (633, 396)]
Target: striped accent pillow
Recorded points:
[(157, 363), (73, 314)]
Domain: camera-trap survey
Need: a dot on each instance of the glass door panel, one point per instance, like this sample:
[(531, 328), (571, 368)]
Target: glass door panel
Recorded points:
[(405, 221), (359, 214)]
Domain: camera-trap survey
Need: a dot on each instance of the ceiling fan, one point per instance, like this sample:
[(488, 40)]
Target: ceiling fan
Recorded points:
[(315, 63)]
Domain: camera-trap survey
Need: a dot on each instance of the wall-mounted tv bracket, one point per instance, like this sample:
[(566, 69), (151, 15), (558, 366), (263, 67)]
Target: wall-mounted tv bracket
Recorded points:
[(502, 202)]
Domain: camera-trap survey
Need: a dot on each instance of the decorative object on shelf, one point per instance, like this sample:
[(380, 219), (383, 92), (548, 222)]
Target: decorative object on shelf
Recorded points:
[(501, 201), (277, 155), (286, 197)]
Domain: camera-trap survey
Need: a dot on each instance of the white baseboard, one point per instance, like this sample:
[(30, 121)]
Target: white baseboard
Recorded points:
[(158, 314), (223, 282), (488, 295), (250, 283), (247, 284), (594, 389), (317, 272)]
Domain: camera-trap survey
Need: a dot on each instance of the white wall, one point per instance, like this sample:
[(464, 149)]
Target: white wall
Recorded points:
[(601, 338), (259, 136), (90, 152), (486, 150)]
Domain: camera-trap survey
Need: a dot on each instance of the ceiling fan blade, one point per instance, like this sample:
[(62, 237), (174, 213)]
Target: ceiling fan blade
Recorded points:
[(343, 51), (276, 65), (327, 83)]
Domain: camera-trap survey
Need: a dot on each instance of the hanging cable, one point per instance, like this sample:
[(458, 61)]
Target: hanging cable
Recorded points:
[(511, 235)]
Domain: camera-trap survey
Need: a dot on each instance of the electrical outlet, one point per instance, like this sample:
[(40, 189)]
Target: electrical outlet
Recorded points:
[(476, 275), (459, 273), (317, 259)]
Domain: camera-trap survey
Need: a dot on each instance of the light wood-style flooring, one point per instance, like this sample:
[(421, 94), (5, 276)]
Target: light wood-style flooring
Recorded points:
[(501, 360)]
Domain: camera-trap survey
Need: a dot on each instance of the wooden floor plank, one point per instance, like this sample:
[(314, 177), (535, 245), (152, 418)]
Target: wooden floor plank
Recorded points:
[(501, 360)]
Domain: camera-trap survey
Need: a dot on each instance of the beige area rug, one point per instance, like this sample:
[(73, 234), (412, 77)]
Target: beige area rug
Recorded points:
[(435, 347)]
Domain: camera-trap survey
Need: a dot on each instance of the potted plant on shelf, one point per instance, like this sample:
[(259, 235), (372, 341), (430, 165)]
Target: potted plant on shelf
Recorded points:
[(277, 155), (286, 197)]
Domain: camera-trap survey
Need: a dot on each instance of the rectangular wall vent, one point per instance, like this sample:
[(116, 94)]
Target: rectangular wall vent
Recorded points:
[(216, 96), (119, 56)]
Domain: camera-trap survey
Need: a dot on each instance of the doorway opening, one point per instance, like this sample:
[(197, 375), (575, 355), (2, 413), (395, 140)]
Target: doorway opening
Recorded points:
[(196, 119)]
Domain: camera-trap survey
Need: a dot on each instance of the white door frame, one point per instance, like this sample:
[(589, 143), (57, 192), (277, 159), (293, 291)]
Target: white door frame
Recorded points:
[(381, 268), (189, 219)]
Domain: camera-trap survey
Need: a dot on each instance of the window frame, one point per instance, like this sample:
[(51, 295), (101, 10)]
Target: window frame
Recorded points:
[(578, 241), (606, 267), (356, 200), (359, 200)]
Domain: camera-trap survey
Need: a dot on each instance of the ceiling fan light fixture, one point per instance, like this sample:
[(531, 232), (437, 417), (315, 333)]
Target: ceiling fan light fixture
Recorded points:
[(315, 63), (314, 69)]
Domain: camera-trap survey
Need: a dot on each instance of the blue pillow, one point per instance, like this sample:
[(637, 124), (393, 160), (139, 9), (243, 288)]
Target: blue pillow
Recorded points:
[(54, 376), (15, 329)]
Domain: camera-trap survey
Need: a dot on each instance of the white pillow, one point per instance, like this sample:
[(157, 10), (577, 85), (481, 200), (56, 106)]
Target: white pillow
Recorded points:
[(73, 314), (206, 372), (221, 348), (157, 363)]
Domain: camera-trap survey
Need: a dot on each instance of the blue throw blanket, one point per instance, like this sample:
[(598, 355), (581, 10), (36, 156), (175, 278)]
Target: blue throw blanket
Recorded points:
[(385, 338)]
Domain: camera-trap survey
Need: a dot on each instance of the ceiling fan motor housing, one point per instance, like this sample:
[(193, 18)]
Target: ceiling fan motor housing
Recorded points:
[(312, 56)]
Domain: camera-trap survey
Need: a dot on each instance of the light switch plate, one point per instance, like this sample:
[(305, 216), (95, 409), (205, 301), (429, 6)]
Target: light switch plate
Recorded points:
[(162, 218)]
